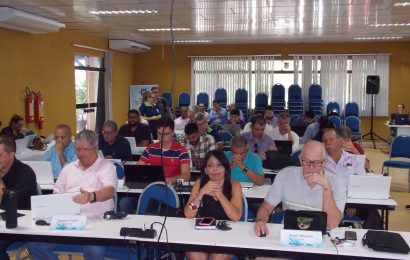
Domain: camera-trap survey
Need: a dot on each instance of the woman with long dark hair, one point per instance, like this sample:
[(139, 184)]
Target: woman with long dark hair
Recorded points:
[(215, 195)]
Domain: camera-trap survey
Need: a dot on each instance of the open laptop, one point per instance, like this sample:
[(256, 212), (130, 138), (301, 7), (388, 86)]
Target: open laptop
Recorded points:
[(284, 146), (401, 119), (369, 187), (233, 129), (45, 206), (305, 220), (134, 148), (140, 176), (43, 171)]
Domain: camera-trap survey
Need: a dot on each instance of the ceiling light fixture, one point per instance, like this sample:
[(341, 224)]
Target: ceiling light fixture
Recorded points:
[(389, 24), (402, 4), (163, 29), (193, 41), (123, 12), (379, 38)]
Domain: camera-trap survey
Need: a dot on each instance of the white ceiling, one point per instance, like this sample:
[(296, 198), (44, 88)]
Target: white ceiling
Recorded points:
[(233, 21)]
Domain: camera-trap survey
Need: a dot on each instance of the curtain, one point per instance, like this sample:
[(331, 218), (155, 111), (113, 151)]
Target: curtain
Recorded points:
[(307, 78), (264, 73), (333, 79)]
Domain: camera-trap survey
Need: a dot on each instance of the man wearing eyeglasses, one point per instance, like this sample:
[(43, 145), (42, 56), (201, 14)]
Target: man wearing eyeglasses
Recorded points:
[(63, 152), (309, 187), (283, 131), (135, 128), (113, 145)]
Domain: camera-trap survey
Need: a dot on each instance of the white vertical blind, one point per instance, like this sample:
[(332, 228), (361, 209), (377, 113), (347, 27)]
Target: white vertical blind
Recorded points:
[(333, 79)]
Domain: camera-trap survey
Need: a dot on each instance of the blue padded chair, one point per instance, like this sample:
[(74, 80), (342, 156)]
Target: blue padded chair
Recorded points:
[(184, 99), (244, 216), (315, 99), (157, 190), (356, 221), (296, 155), (119, 169), (399, 149), (261, 101), (225, 137), (203, 98), (353, 122), (336, 121), (168, 97), (295, 102), (278, 98), (351, 109), (241, 101), (221, 96), (333, 109)]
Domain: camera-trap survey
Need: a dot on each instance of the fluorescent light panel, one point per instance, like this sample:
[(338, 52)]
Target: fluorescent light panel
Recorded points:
[(402, 4), (123, 12), (379, 38), (193, 41), (389, 24), (162, 29)]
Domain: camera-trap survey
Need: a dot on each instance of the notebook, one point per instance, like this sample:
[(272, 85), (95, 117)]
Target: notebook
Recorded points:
[(233, 129), (369, 187), (134, 148), (45, 206), (305, 220), (43, 171), (140, 176), (284, 146), (401, 119)]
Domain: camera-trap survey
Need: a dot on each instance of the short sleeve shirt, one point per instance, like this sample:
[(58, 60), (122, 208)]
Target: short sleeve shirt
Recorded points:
[(252, 162), (120, 149), (261, 145), (348, 164), (141, 133), (52, 156)]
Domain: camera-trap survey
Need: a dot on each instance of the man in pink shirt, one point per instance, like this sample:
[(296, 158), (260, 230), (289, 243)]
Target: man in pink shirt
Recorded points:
[(96, 179)]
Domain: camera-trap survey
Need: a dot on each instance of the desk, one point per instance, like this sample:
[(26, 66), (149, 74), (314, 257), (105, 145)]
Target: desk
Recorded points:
[(182, 236), (401, 129)]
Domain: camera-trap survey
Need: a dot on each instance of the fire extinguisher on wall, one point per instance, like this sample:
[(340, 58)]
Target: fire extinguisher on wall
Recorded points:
[(39, 110), (29, 102)]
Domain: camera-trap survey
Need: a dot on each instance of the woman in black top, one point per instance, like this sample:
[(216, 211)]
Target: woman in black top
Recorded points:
[(15, 128), (214, 195)]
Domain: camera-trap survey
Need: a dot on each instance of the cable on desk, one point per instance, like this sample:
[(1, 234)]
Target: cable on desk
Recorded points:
[(166, 236), (334, 244)]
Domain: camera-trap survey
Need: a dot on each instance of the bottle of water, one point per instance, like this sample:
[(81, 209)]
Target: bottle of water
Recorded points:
[(10, 206)]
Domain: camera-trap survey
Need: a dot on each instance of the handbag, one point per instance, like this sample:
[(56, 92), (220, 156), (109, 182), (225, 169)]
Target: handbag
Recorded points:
[(384, 241), (159, 208), (38, 144)]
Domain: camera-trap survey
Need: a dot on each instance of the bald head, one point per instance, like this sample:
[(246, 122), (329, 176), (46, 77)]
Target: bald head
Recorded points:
[(313, 148)]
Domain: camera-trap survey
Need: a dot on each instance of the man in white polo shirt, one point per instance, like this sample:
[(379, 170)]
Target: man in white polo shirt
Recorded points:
[(283, 131), (309, 187)]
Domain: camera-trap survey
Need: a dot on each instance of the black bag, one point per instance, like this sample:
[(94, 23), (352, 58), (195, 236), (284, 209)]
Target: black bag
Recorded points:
[(384, 241), (278, 161), (158, 208)]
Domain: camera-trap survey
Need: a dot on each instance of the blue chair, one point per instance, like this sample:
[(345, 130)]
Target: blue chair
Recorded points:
[(244, 216), (203, 98), (159, 191), (333, 109), (278, 98), (399, 149), (168, 97), (356, 221), (295, 102), (16, 248), (336, 121), (119, 169), (353, 122), (184, 99), (315, 99), (351, 109), (221, 96), (296, 155), (241, 101), (261, 101), (225, 137)]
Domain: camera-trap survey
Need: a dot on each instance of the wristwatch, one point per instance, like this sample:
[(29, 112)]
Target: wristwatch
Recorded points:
[(245, 170), (94, 198)]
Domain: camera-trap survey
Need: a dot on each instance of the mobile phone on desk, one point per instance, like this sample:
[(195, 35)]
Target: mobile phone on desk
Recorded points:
[(350, 235), (207, 221)]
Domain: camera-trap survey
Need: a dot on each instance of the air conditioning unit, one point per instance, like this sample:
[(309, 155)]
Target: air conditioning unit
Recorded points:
[(128, 46), (27, 22)]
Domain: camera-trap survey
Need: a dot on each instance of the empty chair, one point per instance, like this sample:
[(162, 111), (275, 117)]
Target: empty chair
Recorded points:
[(336, 121), (203, 98), (351, 109), (353, 122), (399, 149), (278, 98), (315, 99), (295, 102), (158, 191), (241, 101), (333, 109), (221, 96), (261, 101), (168, 98), (184, 99)]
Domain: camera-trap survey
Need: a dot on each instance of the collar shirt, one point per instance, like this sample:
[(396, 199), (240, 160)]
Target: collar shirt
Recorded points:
[(276, 135), (220, 118), (52, 156), (261, 145), (348, 164), (247, 128), (310, 132), (180, 123), (205, 144)]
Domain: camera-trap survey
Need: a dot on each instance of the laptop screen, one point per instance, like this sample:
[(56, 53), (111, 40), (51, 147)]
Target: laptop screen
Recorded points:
[(143, 173), (305, 220), (284, 146)]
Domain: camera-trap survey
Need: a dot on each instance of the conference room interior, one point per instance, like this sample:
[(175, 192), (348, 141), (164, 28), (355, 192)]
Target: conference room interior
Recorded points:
[(46, 63)]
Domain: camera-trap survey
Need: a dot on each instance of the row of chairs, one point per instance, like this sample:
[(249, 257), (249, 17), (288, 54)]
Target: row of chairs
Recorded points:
[(353, 122)]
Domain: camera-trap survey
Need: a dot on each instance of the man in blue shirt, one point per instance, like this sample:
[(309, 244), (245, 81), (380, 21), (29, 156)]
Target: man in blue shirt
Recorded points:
[(62, 152), (217, 113), (113, 145), (245, 166)]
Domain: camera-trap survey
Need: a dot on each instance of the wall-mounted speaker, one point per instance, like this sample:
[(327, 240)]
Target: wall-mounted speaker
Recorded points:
[(372, 84)]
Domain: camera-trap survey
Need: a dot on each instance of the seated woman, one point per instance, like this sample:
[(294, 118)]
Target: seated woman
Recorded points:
[(215, 195), (149, 111)]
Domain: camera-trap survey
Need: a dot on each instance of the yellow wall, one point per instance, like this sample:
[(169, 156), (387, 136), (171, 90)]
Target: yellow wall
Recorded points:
[(46, 63), (155, 67)]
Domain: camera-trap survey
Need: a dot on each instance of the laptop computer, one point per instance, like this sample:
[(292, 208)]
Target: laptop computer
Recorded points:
[(21, 144), (45, 206), (43, 171), (369, 187), (233, 129), (401, 119), (305, 220), (30, 140), (284, 146), (140, 176), (134, 148)]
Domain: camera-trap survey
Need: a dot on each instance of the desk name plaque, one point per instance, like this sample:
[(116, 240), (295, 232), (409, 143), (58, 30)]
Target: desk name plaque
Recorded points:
[(301, 238)]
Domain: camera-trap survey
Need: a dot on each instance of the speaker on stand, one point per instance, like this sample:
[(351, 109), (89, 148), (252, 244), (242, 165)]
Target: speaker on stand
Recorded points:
[(373, 88)]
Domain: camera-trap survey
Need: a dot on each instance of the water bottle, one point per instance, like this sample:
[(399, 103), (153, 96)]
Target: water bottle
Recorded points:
[(10, 206)]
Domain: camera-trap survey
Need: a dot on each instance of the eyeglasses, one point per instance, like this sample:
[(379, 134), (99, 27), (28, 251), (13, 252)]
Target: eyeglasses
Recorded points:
[(80, 150), (255, 145), (315, 163), (107, 133)]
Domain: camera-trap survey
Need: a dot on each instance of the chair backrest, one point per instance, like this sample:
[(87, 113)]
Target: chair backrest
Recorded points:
[(296, 155), (400, 146), (353, 122), (278, 92), (216, 127), (336, 121), (119, 169), (261, 100), (168, 97), (184, 99), (224, 136), (159, 191), (352, 109), (315, 91), (294, 92), (241, 97), (244, 216), (203, 98), (333, 109), (221, 96)]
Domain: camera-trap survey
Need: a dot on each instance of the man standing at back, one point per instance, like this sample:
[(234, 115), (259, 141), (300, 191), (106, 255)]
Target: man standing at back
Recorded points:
[(113, 145), (136, 129), (17, 177), (62, 152)]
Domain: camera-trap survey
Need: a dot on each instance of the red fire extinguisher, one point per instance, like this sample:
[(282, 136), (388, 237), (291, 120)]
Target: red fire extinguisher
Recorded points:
[(39, 110), (29, 102)]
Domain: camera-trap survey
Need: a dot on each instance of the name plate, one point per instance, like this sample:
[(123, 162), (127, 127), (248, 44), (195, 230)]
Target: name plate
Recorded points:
[(63, 222), (301, 238)]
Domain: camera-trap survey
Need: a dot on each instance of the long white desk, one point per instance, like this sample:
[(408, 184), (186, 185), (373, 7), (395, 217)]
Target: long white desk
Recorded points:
[(182, 236), (401, 129)]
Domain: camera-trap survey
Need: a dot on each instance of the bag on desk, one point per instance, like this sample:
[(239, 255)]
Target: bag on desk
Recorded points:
[(384, 241), (38, 144), (277, 161), (158, 208)]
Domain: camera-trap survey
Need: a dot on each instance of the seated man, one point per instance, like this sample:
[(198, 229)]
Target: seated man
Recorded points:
[(229, 111), (192, 111), (307, 187), (269, 116), (17, 177), (96, 179), (344, 164), (217, 114), (203, 126), (135, 128), (235, 118), (199, 145), (202, 109), (183, 120), (245, 166), (312, 127), (283, 131), (113, 145), (247, 127), (63, 152), (258, 141), (15, 128), (350, 146)]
